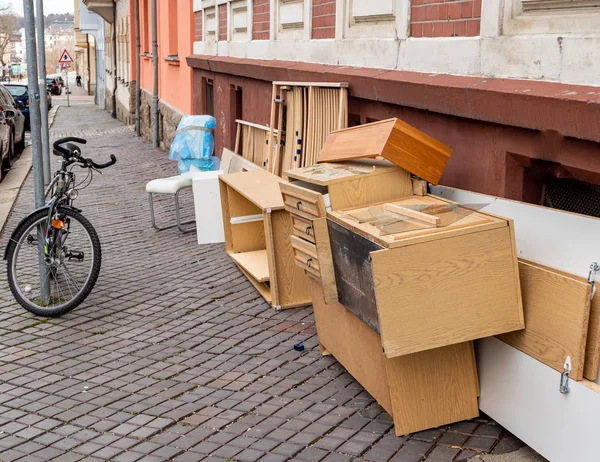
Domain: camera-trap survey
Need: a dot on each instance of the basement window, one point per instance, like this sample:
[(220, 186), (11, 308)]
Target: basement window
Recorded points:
[(572, 195), (545, 5)]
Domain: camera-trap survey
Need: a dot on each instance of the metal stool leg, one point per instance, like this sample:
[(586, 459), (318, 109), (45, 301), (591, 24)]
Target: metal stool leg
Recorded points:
[(179, 224), (152, 219)]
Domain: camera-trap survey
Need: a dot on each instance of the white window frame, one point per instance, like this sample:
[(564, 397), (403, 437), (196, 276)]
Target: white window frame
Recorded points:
[(575, 20)]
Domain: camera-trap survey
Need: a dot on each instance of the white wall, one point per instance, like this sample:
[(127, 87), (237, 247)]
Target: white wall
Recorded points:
[(560, 46)]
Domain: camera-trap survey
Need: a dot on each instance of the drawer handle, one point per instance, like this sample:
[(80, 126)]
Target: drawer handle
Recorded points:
[(308, 262), (298, 204), (308, 230)]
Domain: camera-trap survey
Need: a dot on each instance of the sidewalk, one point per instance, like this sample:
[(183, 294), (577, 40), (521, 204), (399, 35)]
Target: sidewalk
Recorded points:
[(175, 356)]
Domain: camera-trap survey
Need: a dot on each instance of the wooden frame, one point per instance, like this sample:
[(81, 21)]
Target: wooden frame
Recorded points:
[(260, 248), (252, 141)]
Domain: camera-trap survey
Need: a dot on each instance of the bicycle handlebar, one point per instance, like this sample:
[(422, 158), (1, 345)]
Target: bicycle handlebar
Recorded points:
[(59, 150), (57, 144), (112, 161)]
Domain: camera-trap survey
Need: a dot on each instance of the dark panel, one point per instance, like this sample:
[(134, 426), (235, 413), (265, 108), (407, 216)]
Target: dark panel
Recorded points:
[(353, 273)]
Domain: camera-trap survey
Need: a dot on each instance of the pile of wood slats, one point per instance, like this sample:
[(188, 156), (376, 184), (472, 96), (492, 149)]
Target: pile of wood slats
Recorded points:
[(252, 142), (312, 111)]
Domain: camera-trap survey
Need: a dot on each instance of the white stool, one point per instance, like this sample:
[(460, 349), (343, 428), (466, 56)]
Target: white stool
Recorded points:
[(172, 185)]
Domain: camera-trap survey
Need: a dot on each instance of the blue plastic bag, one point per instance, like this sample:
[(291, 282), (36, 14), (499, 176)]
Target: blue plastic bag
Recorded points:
[(194, 141)]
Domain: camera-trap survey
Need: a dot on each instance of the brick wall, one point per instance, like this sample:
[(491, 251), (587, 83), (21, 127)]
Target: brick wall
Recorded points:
[(198, 26), (222, 22), (260, 20), (323, 19), (450, 18)]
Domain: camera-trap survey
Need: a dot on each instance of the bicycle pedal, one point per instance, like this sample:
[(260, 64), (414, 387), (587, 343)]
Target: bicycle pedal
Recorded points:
[(75, 256)]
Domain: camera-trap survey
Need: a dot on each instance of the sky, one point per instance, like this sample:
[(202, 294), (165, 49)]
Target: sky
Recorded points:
[(50, 6)]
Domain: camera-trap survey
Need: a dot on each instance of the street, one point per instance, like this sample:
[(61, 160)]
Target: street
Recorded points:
[(175, 356)]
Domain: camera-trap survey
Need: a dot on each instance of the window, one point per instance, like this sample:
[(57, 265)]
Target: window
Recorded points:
[(173, 40), (145, 20), (541, 5)]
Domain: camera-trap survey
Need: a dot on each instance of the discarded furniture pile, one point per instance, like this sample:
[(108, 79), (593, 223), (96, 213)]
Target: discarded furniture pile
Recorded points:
[(439, 302)]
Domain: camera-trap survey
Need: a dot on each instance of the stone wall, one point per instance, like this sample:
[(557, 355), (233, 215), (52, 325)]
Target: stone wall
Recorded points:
[(168, 120)]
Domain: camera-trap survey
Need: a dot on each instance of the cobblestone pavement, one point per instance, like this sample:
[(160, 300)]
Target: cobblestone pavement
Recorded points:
[(174, 356)]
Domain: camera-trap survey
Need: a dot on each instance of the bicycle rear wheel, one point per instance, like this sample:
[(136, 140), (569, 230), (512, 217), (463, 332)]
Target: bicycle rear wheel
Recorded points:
[(53, 281)]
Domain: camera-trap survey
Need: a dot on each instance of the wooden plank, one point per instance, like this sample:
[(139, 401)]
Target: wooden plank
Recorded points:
[(244, 237), (556, 309), (436, 221), (272, 264), (255, 263), (223, 189), (592, 349), (354, 274), (419, 187), (432, 388), (323, 244), (394, 140), (326, 174), (277, 151), (272, 127), (292, 283), (446, 291), (313, 84), (264, 128), (369, 189), (259, 186), (263, 288), (356, 346), (234, 163), (537, 231), (522, 394)]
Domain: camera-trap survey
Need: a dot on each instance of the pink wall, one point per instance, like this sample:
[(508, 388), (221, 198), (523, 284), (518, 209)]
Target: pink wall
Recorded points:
[(174, 79)]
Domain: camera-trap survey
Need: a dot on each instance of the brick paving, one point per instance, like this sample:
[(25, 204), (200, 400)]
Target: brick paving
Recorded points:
[(174, 356)]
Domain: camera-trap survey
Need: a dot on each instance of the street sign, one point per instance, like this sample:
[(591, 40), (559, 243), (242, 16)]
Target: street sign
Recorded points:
[(64, 66), (65, 57)]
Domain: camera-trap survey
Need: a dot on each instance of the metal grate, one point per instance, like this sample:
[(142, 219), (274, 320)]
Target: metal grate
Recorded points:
[(572, 196)]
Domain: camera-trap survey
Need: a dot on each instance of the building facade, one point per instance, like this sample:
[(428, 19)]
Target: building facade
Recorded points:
[(175, 37), (510, 85)]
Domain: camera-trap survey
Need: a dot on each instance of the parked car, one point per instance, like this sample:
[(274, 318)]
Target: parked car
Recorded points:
[(20, 94), (12, 130), (53, 86), (60, 81)]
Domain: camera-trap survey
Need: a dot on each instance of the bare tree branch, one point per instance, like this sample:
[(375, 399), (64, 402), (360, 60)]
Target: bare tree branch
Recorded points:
[(9, 31)]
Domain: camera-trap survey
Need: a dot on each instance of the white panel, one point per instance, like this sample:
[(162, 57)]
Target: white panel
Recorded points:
[(197, 5), (460, 55), (291, 14), (577, 67), (211, 22), (366, 8), (522, 394), (566, 241), (530, 57), (240, 19), (207, 205)]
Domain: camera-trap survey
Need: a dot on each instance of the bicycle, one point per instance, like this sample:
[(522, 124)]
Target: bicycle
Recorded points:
[(49, 251)]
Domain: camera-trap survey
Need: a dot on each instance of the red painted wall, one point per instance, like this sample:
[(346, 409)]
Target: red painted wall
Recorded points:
[(323, 19), (450, 18), (487, 157)]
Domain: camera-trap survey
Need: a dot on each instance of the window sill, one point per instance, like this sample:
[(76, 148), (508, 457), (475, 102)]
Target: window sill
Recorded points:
[(172, 60)]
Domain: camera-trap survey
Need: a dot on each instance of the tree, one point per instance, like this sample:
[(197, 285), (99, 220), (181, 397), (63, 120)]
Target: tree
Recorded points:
[(9, 32)]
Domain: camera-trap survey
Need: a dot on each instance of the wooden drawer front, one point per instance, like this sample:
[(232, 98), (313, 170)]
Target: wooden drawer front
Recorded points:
[(303, 228), (303, 202), (306, 256)]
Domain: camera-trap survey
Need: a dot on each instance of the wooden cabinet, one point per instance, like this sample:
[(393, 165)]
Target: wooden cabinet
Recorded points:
[(257, 232), (425, 287), (420, 391)]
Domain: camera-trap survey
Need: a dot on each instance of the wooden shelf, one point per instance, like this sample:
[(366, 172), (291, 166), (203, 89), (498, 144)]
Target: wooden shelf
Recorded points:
[(255, 263)]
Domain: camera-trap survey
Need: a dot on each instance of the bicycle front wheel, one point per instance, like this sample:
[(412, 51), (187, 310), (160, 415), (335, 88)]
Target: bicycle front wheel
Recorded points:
[(51, 272)]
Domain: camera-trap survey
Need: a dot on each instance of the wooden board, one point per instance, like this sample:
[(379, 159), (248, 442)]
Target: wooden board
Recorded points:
[(255, 263), (244, 237), (475, 222), (234, 163), (356, 346), (433, 388), (522, 394), (592, 349), (556, 309), (446, 291), (537, 232), (292, 283), (353, 273), (313, 84), (394, 140), (368, 189), (259, 187), (326, 174), (325, 260)]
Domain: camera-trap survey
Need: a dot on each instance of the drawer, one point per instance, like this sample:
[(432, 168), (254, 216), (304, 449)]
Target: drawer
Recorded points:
[(303, 228), (305, 255), (302, 201)]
